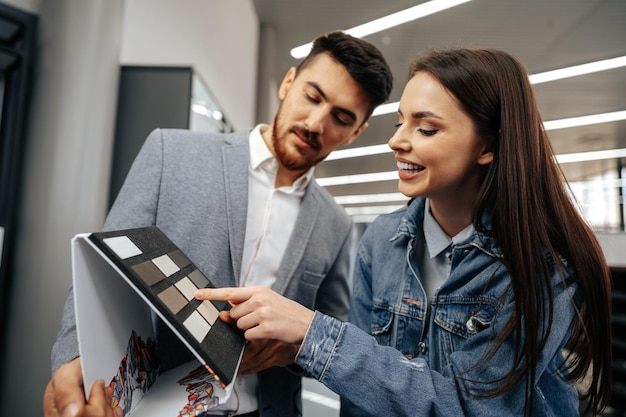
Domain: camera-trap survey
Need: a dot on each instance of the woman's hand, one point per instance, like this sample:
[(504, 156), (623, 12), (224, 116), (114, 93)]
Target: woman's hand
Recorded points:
[(262, 313)]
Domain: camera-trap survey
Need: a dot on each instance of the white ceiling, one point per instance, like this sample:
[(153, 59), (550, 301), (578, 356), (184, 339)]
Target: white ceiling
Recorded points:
[(543, 34)]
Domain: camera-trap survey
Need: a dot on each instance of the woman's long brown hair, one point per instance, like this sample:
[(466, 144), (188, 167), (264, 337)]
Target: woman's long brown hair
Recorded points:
[(527, 196)]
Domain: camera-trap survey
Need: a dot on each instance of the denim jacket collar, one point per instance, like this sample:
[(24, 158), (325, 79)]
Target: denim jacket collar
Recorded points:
[(411, 223)]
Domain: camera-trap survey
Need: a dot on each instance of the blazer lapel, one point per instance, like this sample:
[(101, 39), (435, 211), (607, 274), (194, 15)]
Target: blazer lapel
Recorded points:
[(235, 159), (299, 240)]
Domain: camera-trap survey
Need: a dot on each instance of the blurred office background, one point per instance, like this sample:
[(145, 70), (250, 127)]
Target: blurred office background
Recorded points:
[(82, 83)]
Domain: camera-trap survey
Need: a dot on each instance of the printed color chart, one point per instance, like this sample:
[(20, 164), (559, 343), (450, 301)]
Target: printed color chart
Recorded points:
[(156, 268)]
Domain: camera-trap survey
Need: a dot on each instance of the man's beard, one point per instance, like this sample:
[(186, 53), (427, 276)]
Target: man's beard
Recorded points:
[(294, 161)]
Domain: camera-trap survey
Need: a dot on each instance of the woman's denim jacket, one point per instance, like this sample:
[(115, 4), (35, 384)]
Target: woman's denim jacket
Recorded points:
[(402, 355)]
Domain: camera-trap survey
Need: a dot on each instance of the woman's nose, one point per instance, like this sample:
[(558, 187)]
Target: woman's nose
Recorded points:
[(398, 140)]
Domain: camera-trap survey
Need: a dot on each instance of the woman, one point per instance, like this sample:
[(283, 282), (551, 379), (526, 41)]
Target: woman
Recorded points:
[(488, 293)]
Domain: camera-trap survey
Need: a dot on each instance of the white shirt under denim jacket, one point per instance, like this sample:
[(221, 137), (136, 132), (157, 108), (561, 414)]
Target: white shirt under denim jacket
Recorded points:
[(420, 360)]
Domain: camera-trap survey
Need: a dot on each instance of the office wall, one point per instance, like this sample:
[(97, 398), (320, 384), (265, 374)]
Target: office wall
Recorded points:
[(69, 143), (219, 39), (31, 6), (613, 245)]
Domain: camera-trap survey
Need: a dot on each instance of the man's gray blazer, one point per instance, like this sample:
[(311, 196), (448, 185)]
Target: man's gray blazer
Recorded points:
[(194, 187)]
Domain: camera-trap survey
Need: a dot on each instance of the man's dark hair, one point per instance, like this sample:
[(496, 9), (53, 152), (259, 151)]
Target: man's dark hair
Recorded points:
[(362, 60)]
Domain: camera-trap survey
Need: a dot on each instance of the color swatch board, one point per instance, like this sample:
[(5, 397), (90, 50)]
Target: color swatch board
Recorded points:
[(157, 270)]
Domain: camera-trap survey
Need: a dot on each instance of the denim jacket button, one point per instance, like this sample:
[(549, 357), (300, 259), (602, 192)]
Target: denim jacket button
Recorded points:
[(422, 347), (471, 325)]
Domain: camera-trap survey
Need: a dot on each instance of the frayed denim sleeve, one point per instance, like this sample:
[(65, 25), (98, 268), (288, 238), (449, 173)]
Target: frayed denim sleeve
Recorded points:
[(319, 344)]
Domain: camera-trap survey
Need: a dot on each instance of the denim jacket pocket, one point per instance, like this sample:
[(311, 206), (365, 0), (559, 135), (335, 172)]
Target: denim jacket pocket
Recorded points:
[(397, 326), (460, 318), (382, 318)]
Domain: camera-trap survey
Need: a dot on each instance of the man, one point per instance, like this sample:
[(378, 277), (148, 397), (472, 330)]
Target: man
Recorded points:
[(247, 211)]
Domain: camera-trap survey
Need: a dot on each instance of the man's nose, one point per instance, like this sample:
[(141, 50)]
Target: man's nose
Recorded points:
[(316, 121)]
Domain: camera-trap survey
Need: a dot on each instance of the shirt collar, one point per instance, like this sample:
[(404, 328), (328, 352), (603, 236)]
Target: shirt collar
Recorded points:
[(411, 222), (436, 239), (259, 152), (262, 158)]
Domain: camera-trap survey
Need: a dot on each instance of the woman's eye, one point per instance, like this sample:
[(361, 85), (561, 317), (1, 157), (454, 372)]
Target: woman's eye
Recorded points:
[(428, 132)]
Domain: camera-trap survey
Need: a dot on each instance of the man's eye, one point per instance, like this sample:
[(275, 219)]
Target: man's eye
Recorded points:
[(341, 121), (312, 98), (428, 132)]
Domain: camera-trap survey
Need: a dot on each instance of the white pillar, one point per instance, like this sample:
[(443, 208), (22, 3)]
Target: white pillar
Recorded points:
[(65, 183)]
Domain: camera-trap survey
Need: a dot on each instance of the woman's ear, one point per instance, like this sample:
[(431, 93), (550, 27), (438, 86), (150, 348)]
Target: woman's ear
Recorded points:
[(486, 155), (286, 84)]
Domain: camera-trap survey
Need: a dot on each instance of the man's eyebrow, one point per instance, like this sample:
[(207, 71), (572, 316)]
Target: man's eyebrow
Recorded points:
[(343, 110)]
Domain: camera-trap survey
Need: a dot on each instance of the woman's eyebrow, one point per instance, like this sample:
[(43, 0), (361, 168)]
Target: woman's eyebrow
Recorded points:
[(424, 114)]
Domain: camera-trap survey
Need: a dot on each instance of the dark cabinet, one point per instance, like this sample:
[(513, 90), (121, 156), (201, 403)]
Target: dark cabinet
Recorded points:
[(158, 97)]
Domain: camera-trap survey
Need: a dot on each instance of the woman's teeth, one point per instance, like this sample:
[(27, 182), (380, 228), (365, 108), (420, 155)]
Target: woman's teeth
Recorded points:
[(404, 166)]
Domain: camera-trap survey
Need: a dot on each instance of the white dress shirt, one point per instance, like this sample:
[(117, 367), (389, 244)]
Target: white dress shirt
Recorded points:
[(272, 214)]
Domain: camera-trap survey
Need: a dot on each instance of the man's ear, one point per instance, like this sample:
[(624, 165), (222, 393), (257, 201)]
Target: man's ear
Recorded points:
[(286, 84), (356, 134)]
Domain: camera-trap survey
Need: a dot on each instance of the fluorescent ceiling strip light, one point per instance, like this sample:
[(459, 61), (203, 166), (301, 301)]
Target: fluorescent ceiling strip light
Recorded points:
[(369, 213), (321, 399), (590, 156), (393, 175), (541, 77), (358, 178), (361, 151), (364, 219), (393, 197), (370, 198), (604, 183), (353, 211), (577, 70), (389, 21), (203, 110), (591, 119), (403, 16), (549, 125), (386, 109)]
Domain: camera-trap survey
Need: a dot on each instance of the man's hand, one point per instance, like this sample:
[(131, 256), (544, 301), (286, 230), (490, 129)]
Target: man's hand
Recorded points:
[(99, 404), (64, 395), (262, 354)]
